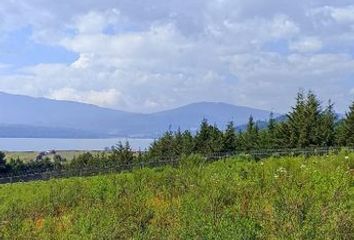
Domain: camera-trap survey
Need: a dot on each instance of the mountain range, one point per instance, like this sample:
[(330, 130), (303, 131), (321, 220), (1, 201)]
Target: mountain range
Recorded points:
[(24, 116)]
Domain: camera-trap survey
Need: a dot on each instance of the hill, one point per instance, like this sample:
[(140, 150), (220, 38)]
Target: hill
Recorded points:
[(41, 117)]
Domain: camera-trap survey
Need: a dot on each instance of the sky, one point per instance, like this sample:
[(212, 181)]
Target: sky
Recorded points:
[(152, 55)]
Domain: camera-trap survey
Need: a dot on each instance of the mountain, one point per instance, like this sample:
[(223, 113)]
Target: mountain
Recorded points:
[(190, 116), (23, 116), (26, 131)]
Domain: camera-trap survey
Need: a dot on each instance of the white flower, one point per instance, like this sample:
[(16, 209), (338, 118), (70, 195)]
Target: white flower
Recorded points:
[(262, 163), (281, 170), (346, 157)]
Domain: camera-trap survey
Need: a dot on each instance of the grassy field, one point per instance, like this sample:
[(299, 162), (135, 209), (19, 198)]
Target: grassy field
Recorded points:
[(30, 155), (278, 198)]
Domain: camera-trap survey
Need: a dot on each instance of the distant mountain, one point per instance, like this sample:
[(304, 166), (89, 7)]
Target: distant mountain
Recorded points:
[(26, 131), (23, 116), (262, 124), (190, 116)]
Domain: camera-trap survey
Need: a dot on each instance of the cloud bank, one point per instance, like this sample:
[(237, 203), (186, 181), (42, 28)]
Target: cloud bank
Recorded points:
[(152, 55)]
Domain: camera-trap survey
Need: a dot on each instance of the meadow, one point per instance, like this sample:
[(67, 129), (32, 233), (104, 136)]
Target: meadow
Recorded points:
[(235, 198), (27, 156)]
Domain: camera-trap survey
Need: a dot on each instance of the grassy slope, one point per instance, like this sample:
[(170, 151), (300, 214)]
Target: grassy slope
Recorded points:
[(287, 198)]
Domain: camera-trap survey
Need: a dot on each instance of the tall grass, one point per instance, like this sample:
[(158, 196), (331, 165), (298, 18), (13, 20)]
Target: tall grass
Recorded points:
[(278, 198)]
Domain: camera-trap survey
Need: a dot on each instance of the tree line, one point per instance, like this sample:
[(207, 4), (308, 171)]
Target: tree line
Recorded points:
[(308, 124), (119, 154)]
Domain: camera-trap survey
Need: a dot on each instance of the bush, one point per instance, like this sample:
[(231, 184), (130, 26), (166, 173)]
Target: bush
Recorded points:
[(192, 160)]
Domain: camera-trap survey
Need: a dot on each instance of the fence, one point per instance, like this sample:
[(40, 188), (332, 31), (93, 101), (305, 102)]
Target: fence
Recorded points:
[(67, 173)]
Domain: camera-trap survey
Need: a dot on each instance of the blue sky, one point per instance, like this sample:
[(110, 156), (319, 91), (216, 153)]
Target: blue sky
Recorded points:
[(153, 55), (19, 50)]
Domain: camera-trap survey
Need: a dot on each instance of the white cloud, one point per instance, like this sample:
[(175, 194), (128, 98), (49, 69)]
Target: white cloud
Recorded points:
[(308, 44), (83, 61), (342, 15), (95, 22), (283, 27), (110, 97), (152, 55), (329, 14)]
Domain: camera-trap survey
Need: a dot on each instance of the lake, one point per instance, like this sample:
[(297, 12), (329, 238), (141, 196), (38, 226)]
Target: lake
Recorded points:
[(43, 144)]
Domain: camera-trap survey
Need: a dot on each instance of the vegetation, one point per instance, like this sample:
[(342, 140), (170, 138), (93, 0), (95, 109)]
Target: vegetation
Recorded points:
[(279, 198), (236, 198), (308, 124)]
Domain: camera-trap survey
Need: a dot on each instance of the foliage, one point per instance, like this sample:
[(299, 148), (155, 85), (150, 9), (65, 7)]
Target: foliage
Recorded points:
[(346, 129), (306, 125), (278, 198)]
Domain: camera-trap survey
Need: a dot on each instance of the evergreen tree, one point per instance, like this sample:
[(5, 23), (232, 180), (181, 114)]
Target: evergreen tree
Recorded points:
[(202, 138), (303, 124), (250, 137), (269, 139), (271, 123), (295, 121), (16, 166), (348, 127), (122, 153), (310, 134), (341, 139), (188, 142), (164, 147), (216, 140), (178, 143), (282, 137), (327, 126), (2, 162), (230, 138), (209, 139)]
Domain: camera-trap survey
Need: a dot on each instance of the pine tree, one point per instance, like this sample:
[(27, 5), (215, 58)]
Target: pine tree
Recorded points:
[(270, 133), (230, 138), (327, 126), (349, 127), (2, 162), (311, 132), (188, 142), (271, 123), (250, 137), (303, 124), (178, 143), (163, 147), (295, 122), (122, 153), (216, 141), (341, 139), (202, 138), (282, 135)]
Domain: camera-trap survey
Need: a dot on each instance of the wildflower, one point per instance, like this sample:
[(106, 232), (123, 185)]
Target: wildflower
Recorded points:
[(281, 170), (262, 163), (346, 157)]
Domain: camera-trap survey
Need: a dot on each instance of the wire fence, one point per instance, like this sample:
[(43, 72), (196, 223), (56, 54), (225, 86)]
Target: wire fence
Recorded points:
[(171, 161)]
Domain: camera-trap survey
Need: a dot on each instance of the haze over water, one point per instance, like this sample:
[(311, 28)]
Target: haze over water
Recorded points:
[(43, 144)]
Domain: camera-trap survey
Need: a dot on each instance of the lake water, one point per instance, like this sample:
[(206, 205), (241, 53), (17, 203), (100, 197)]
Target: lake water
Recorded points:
[(43, 144)]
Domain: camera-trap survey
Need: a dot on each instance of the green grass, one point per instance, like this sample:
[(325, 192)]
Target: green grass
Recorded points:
[(284, 198), (30, 155)]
